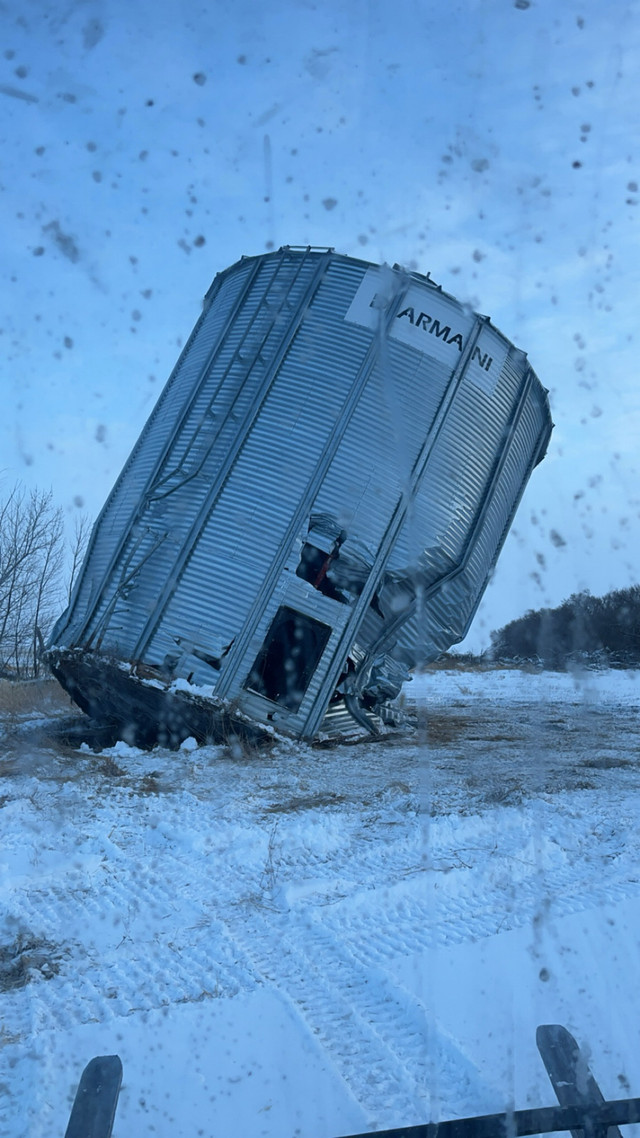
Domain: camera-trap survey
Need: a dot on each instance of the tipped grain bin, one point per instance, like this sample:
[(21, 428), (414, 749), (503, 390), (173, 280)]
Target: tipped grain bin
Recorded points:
[(313, 507)]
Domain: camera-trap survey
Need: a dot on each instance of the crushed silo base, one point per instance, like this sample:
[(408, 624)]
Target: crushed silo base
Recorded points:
[(144, 710)]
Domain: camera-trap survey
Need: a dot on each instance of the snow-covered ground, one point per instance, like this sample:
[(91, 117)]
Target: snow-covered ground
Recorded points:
[(315, 942)]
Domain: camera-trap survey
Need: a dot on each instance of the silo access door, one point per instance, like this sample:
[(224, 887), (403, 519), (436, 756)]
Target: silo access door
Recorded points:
[(297, 644)]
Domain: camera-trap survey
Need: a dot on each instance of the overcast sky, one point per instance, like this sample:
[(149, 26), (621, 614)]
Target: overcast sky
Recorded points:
[(148, 145)]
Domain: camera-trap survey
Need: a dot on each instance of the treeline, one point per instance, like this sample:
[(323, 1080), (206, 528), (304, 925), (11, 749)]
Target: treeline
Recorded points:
[(582, 629), (38, 566)]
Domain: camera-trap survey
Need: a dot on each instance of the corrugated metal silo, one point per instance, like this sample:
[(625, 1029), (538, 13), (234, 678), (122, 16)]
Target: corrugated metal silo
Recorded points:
[(314, 505)]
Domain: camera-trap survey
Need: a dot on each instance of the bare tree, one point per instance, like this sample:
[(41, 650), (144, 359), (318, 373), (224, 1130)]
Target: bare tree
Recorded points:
[(78, 548), (31, 561), (45, 599)]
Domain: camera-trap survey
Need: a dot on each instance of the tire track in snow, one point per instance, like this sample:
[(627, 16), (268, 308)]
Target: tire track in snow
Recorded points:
[(373, 1070), (110, 964), (387, 931), (401, 1022), (368, 878), (514, 874)]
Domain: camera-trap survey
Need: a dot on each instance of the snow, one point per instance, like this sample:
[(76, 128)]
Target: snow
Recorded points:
[(580, 685), (206, 691), (318, 941)]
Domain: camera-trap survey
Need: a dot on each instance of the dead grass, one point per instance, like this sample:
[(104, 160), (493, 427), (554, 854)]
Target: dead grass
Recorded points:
[(25, 959), (109, 767), (467, 663), (606, 762), (508, 793), (442, 728), (21, 698), (493, 738), (149, 783), (307, 802)]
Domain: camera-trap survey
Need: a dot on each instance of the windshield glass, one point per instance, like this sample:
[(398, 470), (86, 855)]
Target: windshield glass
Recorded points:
[(298, 933)]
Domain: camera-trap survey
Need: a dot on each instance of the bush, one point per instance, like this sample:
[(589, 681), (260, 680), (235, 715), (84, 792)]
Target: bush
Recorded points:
[(603, 630)]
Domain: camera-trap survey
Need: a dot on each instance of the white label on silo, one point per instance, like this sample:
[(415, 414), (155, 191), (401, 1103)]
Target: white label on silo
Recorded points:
[(487, 360), (430, 321), (425, 319), (378, 289)]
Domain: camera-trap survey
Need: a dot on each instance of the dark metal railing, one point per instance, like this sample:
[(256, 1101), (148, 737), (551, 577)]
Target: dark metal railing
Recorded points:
[(583, 1109)]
